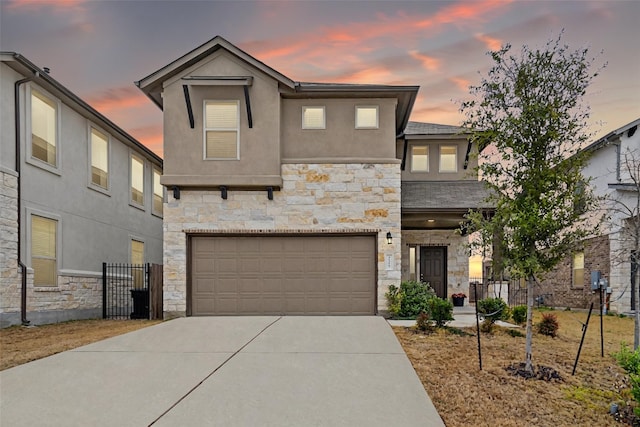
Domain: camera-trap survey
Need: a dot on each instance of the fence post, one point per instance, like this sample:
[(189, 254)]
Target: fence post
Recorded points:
[(104, 290)]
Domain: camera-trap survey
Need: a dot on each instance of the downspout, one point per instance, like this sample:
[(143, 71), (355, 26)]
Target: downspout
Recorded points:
[(23, 267)]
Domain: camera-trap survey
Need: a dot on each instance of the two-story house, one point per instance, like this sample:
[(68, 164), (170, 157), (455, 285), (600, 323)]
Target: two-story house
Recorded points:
[(288, 197), (75, 191), (610, 252)]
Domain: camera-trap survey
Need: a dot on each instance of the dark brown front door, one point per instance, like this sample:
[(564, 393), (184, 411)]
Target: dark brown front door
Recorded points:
[(433, 268)]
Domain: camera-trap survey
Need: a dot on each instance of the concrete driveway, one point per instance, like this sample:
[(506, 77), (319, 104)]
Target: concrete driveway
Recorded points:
[(225, 371)]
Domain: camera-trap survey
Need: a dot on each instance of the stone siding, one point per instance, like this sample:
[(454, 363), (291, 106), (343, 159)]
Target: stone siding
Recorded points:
[(457, 255), (620, 277), (558, 283), (10, 274), (313, 198)]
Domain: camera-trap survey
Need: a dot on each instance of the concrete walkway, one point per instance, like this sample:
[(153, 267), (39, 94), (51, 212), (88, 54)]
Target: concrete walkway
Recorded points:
[(225, 371)]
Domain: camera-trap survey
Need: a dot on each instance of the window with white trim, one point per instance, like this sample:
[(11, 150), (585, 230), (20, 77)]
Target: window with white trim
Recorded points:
[(44, 251), (137, 180), (313, 118), (137, 261), (367, 117), (99, 159), (44, 128), (577, 276), (448, 158), (158, 193), (419, 158), (221, 130)]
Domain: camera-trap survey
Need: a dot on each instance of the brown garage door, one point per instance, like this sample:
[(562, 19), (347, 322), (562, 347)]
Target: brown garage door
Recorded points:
[(322, 275)]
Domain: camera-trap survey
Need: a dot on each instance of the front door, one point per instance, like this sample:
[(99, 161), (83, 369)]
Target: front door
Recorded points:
[(433, 268)]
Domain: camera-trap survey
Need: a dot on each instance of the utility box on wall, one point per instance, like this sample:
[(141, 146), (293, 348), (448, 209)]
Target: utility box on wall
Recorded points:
[(595, 280)]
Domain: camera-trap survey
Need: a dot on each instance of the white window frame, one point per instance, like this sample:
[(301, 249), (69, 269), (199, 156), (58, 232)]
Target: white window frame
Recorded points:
[(154, 211), (413, 169), (54, 102), (314, 107), (206, 129), (455, 169), (30, 214), (132, 202), (376, 108), (91, 184)]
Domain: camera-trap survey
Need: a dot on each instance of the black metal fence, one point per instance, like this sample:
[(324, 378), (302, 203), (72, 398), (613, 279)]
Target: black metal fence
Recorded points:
[(125, 291), (513, 291)]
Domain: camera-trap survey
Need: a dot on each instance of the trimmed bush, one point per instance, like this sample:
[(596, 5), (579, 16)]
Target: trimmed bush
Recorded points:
[(441, 311), (493, 309), (410, 299), (519, 314), (549, 325)]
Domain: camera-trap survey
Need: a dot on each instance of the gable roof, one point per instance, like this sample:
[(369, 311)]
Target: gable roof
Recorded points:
[(25, 67), (613, 136), (406, 95)]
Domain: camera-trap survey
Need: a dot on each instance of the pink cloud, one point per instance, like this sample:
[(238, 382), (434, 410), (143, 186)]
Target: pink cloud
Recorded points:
[(462, 84), (117, 99), (149, 136), (428, 62), (56, 5), (490, 42)]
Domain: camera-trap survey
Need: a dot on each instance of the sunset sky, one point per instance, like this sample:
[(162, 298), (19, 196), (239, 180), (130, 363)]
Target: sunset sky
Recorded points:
[(97, 49)]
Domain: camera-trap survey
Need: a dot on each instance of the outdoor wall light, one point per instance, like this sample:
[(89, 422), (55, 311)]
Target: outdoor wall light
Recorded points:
[(389, 238)]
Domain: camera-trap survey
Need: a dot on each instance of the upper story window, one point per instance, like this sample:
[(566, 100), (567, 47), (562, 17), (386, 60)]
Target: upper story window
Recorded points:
[(221, 129), (577, 276), (420, 158), (44, 128), (137, 180), (367, 117), (313, 118), (99, 159), (158, 193), (43, 251), (448, 158)]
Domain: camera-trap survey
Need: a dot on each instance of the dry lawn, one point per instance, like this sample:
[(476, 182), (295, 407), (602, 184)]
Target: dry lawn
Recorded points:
[(447, 365), (20, 345)]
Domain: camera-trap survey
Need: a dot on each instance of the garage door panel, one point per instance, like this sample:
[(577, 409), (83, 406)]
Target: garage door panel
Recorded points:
[(293, 275)]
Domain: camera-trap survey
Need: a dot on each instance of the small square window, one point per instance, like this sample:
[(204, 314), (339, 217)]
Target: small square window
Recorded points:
[(366, 117), (313, 118), (448, 158), (419, 158)]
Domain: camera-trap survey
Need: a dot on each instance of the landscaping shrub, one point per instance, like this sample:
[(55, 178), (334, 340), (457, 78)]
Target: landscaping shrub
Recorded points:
[(630, 361), (519, 314), (493, 309), (410, 299), (423, 322), (441, 311), (549, 325)]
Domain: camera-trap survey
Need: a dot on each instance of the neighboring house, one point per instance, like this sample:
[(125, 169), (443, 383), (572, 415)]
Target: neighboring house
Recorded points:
[(75, 191), (610, 253), (288, 197)]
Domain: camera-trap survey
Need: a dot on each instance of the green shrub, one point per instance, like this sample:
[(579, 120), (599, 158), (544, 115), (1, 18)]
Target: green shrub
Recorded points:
[(549, 325), (630, 362), (493, 309), (515, 333), (410, 299), (519, 314), (441, 311)]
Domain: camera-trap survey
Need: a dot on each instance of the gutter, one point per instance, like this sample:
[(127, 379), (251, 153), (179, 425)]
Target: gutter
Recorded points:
[(23, 267)]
